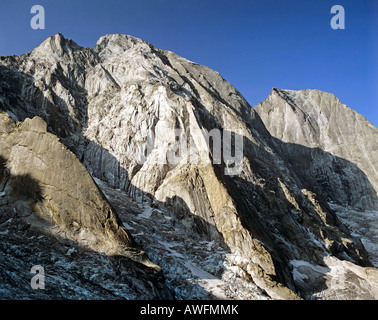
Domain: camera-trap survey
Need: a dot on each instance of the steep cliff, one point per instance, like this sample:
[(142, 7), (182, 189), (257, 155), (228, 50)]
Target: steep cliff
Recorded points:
[(173, 135), (341, 158), (337, 158), (46, 193)]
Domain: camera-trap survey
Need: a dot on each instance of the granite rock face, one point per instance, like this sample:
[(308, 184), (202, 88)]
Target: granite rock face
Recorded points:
[(341, 158), (47, 192), (140, 120), (69, 194), (337, 158)]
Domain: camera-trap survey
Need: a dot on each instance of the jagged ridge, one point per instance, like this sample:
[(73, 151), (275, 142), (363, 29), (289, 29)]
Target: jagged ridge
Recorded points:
[(104, 103)]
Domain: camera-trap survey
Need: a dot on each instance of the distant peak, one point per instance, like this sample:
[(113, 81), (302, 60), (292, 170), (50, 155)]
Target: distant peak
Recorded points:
[(308, 100), (117, 37), (57, 44), (59, 36), (56, 38), (119, 40), (110, 36), (288, 94), (302, 91), (278, 90)]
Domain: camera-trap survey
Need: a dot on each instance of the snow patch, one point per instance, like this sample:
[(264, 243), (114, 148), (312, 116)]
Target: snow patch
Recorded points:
[(209, 282), (146, 213), (363, 225)]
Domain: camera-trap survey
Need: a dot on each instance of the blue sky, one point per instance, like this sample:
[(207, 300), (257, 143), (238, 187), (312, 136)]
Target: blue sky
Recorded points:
[(255, 45)]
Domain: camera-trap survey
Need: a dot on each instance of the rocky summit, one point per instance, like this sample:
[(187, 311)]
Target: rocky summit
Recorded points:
[(128, 172)]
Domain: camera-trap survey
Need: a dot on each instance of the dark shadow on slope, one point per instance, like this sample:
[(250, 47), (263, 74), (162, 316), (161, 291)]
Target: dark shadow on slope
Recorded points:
[(330, 177), (80, 275), (183, 226), (21, 187), (264, 208), (25, 240), (3, 174), (64, 122)]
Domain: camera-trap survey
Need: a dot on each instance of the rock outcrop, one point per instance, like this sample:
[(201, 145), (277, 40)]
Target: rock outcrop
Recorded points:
[(333, 149), (43, 185), (140, 120), (340, 161)]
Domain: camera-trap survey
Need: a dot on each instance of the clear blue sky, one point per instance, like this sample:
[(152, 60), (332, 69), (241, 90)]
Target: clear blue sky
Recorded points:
[(255, 44)]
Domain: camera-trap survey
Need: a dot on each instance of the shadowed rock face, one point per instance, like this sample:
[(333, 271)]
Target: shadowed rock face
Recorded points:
[(341, 158), (45, 184), (68, 193), (334, 151), (116, 107)]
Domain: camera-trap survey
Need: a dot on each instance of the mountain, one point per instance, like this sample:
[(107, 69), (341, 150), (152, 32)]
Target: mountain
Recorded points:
[(332, 132), (246, 203), (339, 162), (53, 213)]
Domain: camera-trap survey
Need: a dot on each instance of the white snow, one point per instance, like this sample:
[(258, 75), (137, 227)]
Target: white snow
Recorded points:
[(168, 247), (302, 268), (199, 272), (127, 226), (70, 251), (209, 282), (146, 213), (363, 225), (209, 245)]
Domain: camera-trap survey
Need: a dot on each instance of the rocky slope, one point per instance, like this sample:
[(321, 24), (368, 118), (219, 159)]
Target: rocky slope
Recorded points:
[(51, 210), (340, 161), (338, 154), (138, 118)]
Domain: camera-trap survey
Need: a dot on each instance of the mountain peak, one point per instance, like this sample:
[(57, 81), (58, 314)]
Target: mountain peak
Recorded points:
[(120, 107), (117, 40), (307, 100), (56, 44), (318, 120), (116, 36)]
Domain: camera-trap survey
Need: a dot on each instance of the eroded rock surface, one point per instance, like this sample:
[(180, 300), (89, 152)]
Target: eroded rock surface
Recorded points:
[(340, 161), (54, 215), (121, 106)]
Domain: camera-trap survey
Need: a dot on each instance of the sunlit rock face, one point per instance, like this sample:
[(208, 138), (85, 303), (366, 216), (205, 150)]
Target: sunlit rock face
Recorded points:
[(54, 215), (184, 159), (341, 158)]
